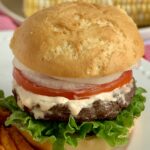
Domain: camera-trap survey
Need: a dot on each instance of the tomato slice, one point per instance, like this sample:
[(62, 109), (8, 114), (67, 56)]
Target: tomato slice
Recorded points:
[(82, 93)]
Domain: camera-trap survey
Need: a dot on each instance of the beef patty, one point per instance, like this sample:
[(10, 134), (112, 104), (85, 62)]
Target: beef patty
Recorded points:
[(99, 110)]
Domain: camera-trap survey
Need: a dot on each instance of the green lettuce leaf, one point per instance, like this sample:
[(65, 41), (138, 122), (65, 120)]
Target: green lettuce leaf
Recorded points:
[(2, 94), (8, 102), (115, 132)]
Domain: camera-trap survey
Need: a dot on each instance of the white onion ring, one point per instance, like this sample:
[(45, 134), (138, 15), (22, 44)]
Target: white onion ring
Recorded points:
[(62, 83)]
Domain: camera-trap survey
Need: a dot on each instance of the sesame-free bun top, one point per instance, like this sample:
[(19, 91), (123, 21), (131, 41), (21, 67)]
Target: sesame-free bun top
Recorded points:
[(78, 40)]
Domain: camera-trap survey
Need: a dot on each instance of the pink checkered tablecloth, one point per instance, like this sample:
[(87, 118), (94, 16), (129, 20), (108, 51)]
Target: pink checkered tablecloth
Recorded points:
[(6, 23)]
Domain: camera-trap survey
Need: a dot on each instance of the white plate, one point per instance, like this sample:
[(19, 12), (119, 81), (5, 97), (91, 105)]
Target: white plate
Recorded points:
[(145, 32), (141, 137)]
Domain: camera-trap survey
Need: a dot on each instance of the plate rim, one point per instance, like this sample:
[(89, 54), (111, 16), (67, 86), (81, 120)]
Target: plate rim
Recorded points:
[(145, 32)]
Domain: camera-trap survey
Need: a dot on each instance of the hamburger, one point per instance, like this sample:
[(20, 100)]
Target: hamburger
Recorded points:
[(72, 79)]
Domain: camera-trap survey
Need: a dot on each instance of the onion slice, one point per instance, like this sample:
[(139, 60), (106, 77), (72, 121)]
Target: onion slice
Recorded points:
[(60, 82)]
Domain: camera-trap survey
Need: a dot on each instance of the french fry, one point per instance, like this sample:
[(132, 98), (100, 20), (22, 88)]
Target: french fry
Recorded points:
[(3, 115), (37, 145), (19, 140), (2, 148), (6, 140)]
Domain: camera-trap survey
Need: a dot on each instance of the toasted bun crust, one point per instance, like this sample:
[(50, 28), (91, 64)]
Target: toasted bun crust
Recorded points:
[(78, 40)]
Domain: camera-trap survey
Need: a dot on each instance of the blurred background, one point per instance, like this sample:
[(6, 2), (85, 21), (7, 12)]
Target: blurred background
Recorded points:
[(14, 12), (139, 10)]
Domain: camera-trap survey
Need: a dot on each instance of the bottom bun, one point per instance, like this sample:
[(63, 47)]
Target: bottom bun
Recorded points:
[(89, 143)]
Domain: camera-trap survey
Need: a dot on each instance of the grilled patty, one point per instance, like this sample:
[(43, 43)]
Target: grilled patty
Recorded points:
[(99, 110)]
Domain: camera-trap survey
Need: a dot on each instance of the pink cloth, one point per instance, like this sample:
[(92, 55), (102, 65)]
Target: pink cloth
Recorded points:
[(147, 52), (6, 23)]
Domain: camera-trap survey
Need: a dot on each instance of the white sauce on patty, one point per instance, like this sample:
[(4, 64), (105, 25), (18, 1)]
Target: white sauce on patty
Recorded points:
[(45, 103)]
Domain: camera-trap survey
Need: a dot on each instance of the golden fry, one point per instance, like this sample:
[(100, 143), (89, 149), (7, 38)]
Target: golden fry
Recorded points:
[(6, 140), (2, 148), (3, 115), (19, 140)]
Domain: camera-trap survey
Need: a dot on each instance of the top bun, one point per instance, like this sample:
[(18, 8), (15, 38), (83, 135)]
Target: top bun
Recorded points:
[(78, 40)]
